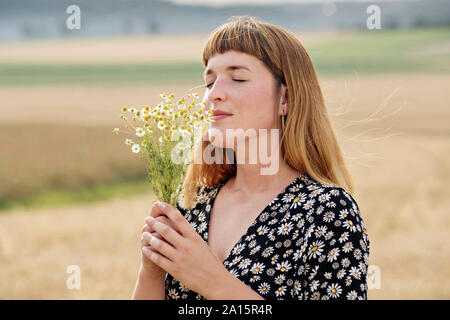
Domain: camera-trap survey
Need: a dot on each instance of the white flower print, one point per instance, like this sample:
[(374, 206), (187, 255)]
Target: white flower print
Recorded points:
[(333, 254), (257, 268), (331, 204), (324, 197), (314, 285), (349, 225), (288, 197), (320, 231), (357, 254), (343, 214), (245, 262), (263, 288), (285, 228), (267, 251), (328, 216), (298, 200), (334, 290), (352, 295), (262, 230), (309, 243), (280, 291), (343, 237), (340, 274), (309, 204), (355, 273), (173, 294), (238, 248), (316, 249), (280, 279), (345, 262), (348, 246), (284, 266)]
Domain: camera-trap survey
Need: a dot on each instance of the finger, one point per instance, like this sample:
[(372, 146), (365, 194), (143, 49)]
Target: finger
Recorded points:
[(145, 227), (158, 259), (176, 218), (146, 236), (156, 210), (169, 234), (147, 250), (162, 219), (162, 247)]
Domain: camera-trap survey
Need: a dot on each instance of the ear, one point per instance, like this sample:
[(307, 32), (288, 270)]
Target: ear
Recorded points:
[(284, 106)]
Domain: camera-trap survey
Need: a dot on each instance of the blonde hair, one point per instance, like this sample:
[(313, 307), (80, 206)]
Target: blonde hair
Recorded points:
[(308, 142)]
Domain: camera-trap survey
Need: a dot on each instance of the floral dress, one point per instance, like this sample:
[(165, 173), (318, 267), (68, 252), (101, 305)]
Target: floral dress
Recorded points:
[(310, 242)]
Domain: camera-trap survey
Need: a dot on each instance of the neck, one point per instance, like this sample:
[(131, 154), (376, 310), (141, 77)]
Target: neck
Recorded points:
[(253, 178)]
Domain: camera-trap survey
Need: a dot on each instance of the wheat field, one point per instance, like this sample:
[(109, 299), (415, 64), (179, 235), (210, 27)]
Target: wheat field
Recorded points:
[(393, 129)]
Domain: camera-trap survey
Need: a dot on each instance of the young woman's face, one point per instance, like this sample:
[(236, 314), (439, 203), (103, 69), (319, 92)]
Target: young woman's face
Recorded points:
[(241, 85)]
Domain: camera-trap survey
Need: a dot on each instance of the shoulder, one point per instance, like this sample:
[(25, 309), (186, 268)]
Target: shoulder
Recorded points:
[(202, 197), (335, 216), (328, 209)]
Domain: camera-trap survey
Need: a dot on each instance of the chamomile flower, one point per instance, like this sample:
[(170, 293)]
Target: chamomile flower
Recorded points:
[(128, 142), (135, 148), (161, 125), (140, 132)]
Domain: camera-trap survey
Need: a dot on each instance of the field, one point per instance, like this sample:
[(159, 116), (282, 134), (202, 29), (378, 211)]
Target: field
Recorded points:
[(58, 149)]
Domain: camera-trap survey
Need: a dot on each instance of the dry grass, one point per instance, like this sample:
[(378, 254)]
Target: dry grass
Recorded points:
[(44, 157), (125, 49), (401, 177)]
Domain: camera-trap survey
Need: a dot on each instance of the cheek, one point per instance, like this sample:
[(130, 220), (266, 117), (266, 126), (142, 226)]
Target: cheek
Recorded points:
[(259, 104)]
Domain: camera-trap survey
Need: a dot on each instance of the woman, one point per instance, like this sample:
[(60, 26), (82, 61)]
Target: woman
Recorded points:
[(237, 233)]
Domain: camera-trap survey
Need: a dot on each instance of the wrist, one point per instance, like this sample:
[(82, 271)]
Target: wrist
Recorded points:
[(145, 275), (221, 286)]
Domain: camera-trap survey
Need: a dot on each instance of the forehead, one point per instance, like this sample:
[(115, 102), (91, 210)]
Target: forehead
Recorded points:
[(232, 60)]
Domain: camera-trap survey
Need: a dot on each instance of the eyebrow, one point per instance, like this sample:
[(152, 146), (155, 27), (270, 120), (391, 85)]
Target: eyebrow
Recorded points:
[(229, 68)]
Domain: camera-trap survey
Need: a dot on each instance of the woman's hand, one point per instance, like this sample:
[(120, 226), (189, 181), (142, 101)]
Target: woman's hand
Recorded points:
[(182, 252), (149, 267)]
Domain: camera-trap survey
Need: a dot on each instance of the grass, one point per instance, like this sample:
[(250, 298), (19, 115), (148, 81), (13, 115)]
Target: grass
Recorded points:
[(54, 74), (87, 194), (51, 163), (380, 51), (401, 184), (65, 157), (401, 181)]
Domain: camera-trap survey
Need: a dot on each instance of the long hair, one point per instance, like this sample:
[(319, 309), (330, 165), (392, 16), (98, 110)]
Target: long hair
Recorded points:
[(308, 142)]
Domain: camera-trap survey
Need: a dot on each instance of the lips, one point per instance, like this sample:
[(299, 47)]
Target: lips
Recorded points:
[(221, 113)]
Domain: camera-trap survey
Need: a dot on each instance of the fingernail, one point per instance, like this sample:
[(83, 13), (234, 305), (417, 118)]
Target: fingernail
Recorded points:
[(162, 205), (148, 219), (146, 234)]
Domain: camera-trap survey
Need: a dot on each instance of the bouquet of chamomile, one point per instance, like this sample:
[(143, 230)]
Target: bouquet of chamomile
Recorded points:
[(164, 137)]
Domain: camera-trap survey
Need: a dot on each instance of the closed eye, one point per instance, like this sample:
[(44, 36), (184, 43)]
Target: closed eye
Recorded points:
[(238, 80)]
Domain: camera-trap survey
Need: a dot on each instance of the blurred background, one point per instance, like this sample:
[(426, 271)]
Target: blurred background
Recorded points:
[(72, 193)]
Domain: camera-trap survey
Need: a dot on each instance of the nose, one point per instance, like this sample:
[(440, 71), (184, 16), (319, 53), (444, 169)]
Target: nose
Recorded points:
[(216, 92)]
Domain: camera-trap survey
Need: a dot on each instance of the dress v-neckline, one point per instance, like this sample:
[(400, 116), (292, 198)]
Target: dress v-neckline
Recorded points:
[(211, 203)]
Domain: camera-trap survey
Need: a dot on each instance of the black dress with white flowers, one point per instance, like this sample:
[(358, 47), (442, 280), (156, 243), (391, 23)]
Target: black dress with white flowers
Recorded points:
[(310, 242)]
